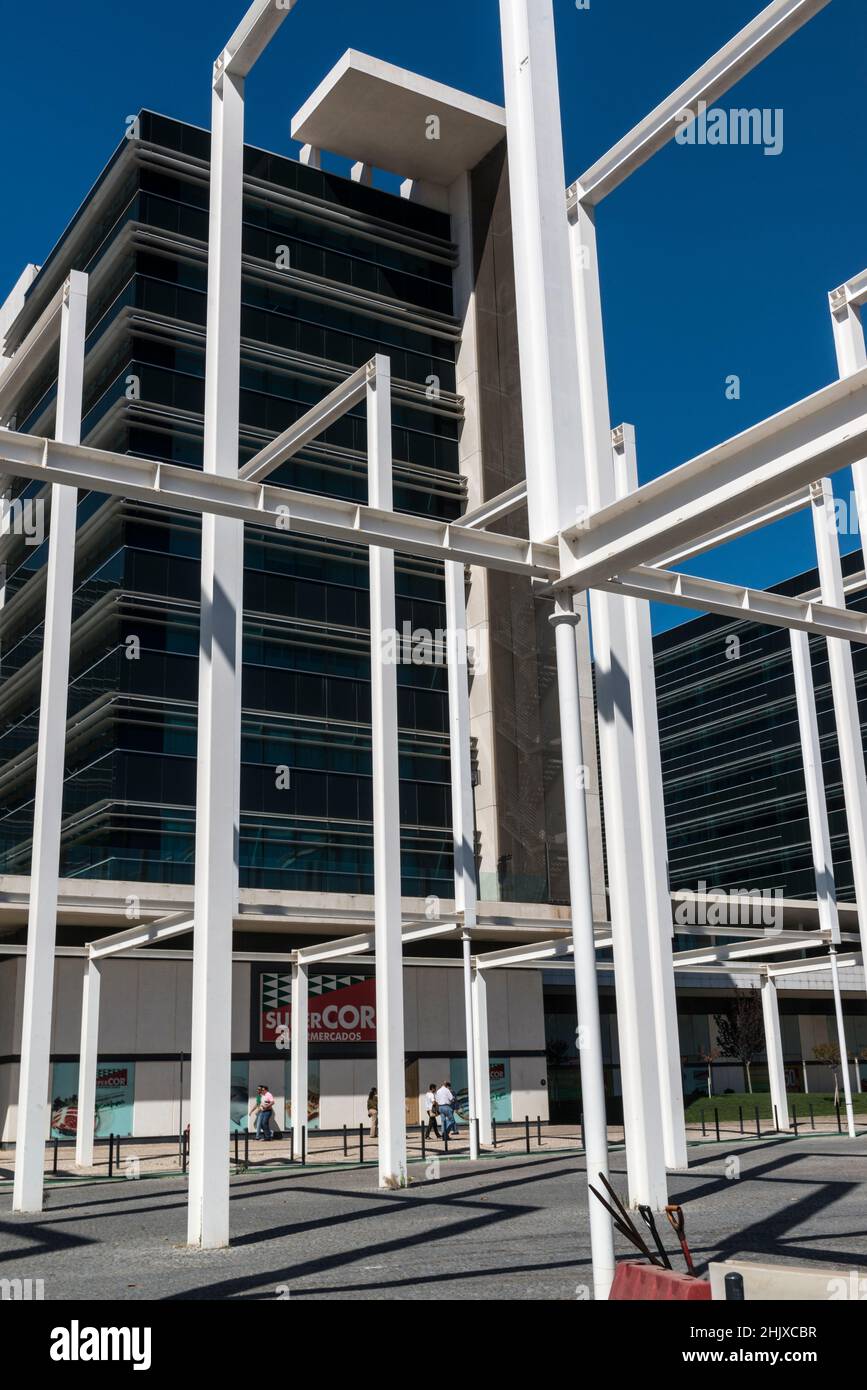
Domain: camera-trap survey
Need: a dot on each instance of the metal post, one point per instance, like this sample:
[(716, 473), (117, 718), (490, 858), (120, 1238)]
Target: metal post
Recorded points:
[(482, 1056), (303, 1144), (361, 1143), (463, 810), (589, 1030), (758, 1123), (628, 875), (423, 1142), (54, 1159), (87, 1064), (33, 1086), (841, 1040), (220, 656), (812, 1118), (298, 1063), (110, 1155), (648, 762), (345, 1141), (527, 1132), (741, 1118), (716, 1122), (774, 1051), (390, 1055)]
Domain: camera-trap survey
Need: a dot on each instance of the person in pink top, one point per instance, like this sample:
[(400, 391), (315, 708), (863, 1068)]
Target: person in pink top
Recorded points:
[(264, 1109)]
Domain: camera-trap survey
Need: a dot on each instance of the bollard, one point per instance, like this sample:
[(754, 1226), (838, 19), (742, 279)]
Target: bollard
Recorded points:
[(839, 1125), (117, 1156), (716, 1122), (246, 1148), (478, 1138), (361, 1143), (812, 1117), (734, 1287), (111, 1155), (703, 1130), (776, 1121), (423, 1140), (795, 1119), (527, 1131), (345, 1150), (741, 1117), (237, 1151), (186, 1151), (303, 1146), (445, 1139), (539, 1130), (54, 1166), (494, 1132), (758, 1123)]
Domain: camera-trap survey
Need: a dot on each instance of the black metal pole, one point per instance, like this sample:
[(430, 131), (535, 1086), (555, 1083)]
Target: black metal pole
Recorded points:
[(345, 1150), (237, 1151), (247, 1148), (186, 1150), (423, 1138), (758, 1123), (812, 1117), (839, 1125), (741, 1117), (478, 1137), (54, 1165), (117, 1157), (539, 1130), (795, 1118), (716, 1122), (734, 1287), (110, 1154), (361, 1143), (703, 1130), (776, 1121), (303, 1145), (527, 1131), (494, 1131)]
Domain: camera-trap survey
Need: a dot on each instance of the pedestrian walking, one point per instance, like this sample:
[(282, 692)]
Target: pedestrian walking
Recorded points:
[(373, 1112), (432, 1110), (445, 1099), (263, 1110)]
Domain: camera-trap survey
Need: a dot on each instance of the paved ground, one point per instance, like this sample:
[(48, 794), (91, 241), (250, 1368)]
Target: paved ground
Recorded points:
[(511, 1228)]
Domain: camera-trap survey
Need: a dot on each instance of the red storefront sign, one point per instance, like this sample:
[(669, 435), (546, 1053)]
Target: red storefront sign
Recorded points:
[(341, 1009)]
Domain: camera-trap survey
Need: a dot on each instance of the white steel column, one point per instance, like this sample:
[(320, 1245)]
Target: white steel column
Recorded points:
[(568, 449), (820, 836), (219, 728), (654, 838), (463, 809), (628, 877), (298, 1064), (588, 1035), (847, 715), (481, 1049), (841, 1040), (87, 1060), (33, 1088), (390, 1054), (851, 352), (774, 1051)]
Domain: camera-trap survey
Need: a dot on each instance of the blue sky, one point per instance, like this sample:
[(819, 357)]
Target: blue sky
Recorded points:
[(715, 260)]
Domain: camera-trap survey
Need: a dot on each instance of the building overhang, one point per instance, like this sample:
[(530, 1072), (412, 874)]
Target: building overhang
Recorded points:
[(377, 114)]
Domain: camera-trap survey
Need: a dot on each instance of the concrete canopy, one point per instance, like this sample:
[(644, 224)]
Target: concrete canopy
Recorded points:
[(378, 114)]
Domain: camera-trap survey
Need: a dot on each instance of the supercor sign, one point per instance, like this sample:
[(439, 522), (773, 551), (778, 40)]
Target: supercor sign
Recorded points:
[(341, 1008)]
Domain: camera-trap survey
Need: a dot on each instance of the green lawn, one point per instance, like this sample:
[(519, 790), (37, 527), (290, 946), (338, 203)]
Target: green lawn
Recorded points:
[(728, 1106)]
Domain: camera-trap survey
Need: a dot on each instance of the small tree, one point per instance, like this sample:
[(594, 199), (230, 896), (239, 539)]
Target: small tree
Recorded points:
[(709, 1055), (741, 1030), (829, 1053)]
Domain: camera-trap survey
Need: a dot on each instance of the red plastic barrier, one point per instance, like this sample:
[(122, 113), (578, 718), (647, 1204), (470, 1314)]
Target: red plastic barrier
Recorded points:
[(635, 1282)]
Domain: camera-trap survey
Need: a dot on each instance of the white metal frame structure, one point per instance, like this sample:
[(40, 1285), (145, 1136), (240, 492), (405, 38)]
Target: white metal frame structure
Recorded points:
[(591, 528)]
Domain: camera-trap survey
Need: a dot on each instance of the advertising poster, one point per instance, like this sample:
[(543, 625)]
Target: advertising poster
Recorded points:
[(115, 1088), (501, 1089), (313, 1093), (341, 1009)]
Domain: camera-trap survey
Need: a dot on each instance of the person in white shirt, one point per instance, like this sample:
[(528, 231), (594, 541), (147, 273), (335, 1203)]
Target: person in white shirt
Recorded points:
[(446, 1101), (431, 1110)]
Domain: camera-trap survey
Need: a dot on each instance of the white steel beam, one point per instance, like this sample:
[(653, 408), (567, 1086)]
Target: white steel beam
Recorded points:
[(87, 1063), (552, 430), (178, 924), (390, 1053), (252, 37), (522, 955), (774, 1052), (740, 604), (654, 840), (776, 23), (825, 432), (316, 420), (341, 947), (814, 781), (215, 900), (463, 806), (283, 509), (765, 516), (776, 943), (298, 1065), (481, 1052), (850, 746), (504, 504), (33, 1106), (813, 966), (627, 873)]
